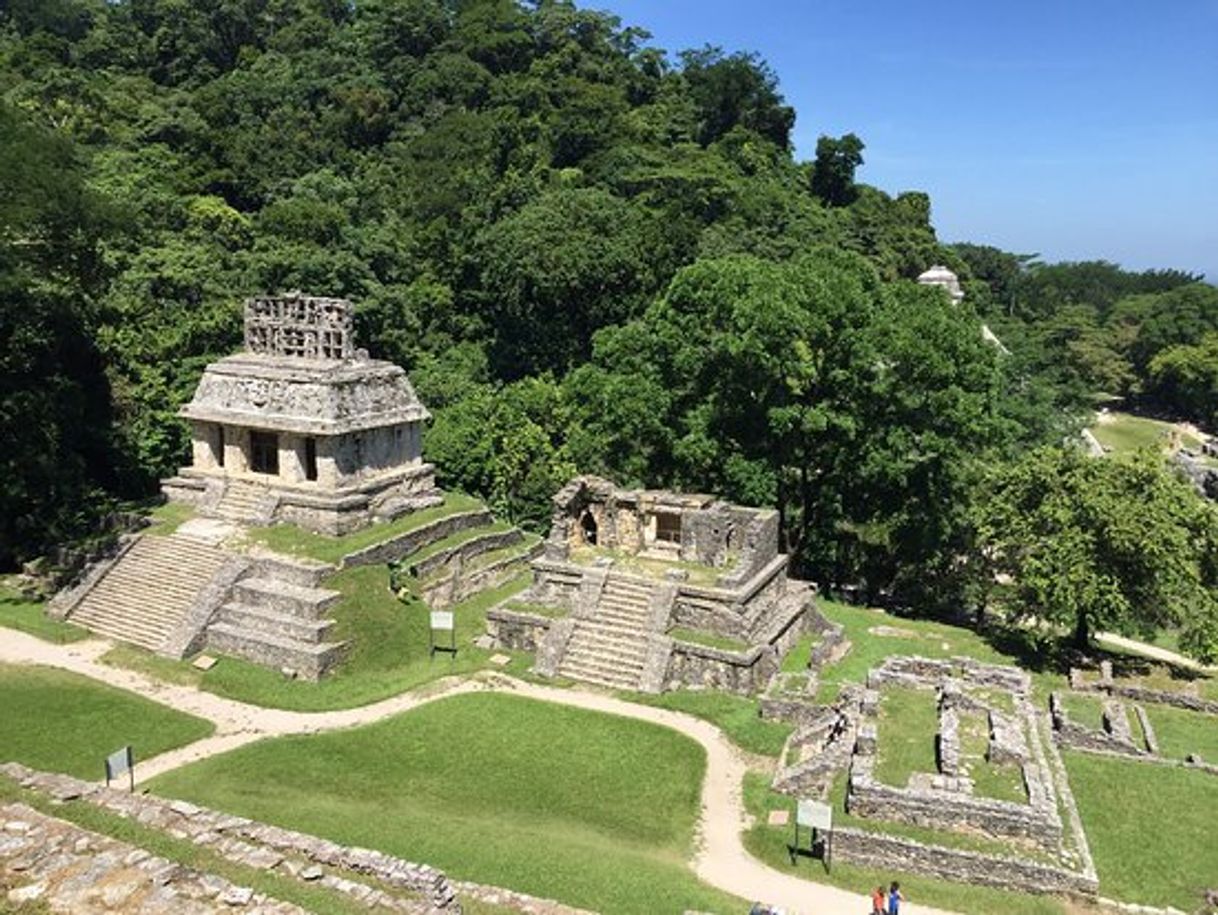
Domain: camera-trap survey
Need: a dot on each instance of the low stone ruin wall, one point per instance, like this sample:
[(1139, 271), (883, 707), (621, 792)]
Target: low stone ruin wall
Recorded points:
[(917, 671), (884, 852), (458, 584), (1069, 733), (738, 671), (457, 555), (943, 809), (1113, 687), (516, 630), (701, 666), (395, 548)]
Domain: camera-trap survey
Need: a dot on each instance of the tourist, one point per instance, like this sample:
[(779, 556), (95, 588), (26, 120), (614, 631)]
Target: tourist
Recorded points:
[(894, 899), (877, 901)]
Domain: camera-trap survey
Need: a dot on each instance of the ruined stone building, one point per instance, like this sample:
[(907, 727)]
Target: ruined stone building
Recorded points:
[(302, 427)]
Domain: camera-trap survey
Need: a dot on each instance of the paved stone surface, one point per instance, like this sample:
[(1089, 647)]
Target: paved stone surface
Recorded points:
[(43, 859)]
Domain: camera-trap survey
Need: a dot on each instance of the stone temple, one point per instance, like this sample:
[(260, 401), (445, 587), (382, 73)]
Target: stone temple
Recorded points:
[(302, 427)]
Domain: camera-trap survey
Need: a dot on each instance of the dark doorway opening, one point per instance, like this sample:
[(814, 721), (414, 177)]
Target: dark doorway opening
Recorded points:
[(264, 453), (310, 462), (220, 446), (588, 525)]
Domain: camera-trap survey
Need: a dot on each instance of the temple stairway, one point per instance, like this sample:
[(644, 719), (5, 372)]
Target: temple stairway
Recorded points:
[(146, 594), (242, 502), (610, 647)]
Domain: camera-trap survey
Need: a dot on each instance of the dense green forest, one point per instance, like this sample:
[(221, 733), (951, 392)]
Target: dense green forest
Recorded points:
[(591, 255)]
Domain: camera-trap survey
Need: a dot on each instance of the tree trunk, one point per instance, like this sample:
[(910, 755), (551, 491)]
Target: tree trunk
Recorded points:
[(1082, 633)]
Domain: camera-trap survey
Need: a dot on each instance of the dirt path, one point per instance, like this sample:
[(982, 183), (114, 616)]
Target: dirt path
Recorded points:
[(721, 859), (1154, 652)]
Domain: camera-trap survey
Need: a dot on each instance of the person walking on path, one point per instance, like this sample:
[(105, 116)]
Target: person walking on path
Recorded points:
[(877, 901), (895, 898)]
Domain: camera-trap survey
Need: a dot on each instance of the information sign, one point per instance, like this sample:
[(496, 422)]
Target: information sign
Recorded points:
[(442, 622), (817, 817), (117, 763)]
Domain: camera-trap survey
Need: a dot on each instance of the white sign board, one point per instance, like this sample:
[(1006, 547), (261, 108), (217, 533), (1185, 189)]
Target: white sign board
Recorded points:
[(814, 814), (441, 619)]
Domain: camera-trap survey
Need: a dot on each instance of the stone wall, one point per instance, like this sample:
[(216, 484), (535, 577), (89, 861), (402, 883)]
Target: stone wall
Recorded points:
[(461, 583), (943, 809), (457, 555), (1069, 733), (885, 852), (402, 545), (516, 630)]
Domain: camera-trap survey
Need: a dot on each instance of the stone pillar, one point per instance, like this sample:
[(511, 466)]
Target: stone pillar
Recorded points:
[(291, 458), (236, 449), (327, 464), (204, 445)]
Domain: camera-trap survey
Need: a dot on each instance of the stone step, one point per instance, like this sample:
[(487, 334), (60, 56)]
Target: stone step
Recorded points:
[(610, 638), (286, 625), (609, 600), (146, 594), (610, 677), (621, 621), (607, 657), (310, 661), (625, 586), (284, 597)]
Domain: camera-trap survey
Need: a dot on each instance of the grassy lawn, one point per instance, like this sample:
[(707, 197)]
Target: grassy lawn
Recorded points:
[(1125, 433), (28, 616), (771, 845), (905, 734), (289, 539), (1002, 782), (1181, 732), (735, 715), (1150, 828), (388, 655), (168, 517), (591, 809), (547, 610), (1084, 709), (709, 639), (797, 659), (902, 637), (62, 722)]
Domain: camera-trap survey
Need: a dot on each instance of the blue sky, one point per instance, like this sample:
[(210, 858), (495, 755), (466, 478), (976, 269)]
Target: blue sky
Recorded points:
[(1075, 129)]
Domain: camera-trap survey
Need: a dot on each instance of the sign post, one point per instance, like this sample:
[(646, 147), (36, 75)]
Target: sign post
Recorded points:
[(816, 816), (441, 622), (117, 763)]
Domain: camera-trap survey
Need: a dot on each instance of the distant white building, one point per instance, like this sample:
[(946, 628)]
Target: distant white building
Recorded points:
[(938, 275)]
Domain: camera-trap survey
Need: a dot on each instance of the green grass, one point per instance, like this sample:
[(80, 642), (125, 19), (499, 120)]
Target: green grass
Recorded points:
[(905, 734), (29, 616), (868, 650), (1003, 782), (771, 845), (62, 722), (309, 896), (651, 567), (547, 610), (1181, 732), (1150, 828), (709, 639), (292, 540), (591, 809), (1084, 709), (736, 716), (455, 540), (168, 517), (388, 654), (799, 657)]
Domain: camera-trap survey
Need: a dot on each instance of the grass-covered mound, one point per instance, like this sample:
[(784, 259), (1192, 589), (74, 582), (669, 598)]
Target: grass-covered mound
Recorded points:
[(28, 616), (594, 810), (63, 722)]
